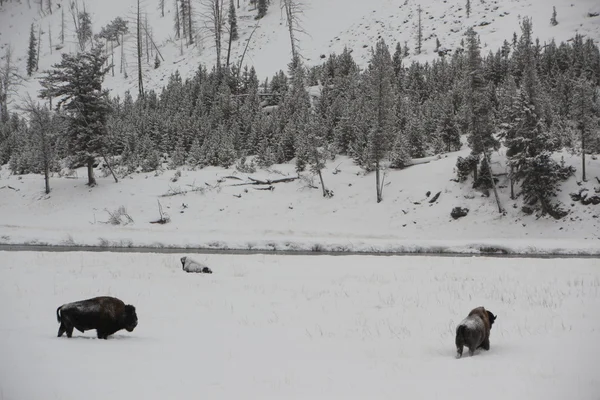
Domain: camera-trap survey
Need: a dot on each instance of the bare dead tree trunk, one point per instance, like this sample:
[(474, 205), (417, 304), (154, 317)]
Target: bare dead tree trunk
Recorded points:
[(112, 57), (50, 38), (90, 170), (379, 186), (139, 51), (62, 26), (155, 46), (584, 178), (293, 11), (500, 210), (245, 49), (229, 47), (190, 30), (122, 53), (146, 30), (110, 168)]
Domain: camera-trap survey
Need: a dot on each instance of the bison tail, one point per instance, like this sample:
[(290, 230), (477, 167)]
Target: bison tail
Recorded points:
[(460, 335), (58, 314)]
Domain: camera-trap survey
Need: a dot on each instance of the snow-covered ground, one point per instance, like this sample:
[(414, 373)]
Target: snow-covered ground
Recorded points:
[(274, 327), (216, 213)]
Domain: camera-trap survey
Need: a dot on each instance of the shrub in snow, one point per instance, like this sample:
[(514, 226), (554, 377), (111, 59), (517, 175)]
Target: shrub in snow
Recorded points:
[(458, 212), (474, 331), (190, 265)]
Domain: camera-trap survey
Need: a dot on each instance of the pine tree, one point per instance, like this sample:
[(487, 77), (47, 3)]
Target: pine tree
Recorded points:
[(32, 53), (381, 97), (262, 8), (585, 110), (233, 29), (448, 128), (478, 111), (528, 139), (468, 7), (419, 32), (84, 30), (77, 79), (553, 20), (177, 20)]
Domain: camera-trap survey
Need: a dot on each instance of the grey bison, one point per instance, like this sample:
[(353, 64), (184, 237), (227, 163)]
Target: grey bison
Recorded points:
[(106, 315), (190, 265), (474, 331)]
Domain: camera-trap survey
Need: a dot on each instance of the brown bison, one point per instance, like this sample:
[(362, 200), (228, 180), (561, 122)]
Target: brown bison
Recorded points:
[(474, 331), (106, 315)]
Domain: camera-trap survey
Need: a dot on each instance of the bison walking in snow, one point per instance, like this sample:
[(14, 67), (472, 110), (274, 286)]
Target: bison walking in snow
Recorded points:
[(189, 265), (106, 315), (474, 331)]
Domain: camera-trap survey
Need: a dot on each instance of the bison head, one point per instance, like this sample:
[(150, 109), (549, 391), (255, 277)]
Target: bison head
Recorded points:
[(492, 317), (130, 318), (183, 262)]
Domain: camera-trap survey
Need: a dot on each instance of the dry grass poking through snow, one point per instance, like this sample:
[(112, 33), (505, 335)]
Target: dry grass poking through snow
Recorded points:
[(302, 327)]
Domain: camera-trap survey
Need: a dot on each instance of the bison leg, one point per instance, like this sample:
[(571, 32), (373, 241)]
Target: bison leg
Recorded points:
[(486, 344), (101, 334), (61, 329), (471, 351), (69, 331), (459, 350)]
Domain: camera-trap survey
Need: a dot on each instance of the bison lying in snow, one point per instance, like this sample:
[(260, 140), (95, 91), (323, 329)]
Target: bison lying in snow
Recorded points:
[(106, 315), (189, 265), (474, 331)]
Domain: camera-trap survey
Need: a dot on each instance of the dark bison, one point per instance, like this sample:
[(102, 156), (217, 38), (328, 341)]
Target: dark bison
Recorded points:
[(474, 331), (189, 265), (106, 315)]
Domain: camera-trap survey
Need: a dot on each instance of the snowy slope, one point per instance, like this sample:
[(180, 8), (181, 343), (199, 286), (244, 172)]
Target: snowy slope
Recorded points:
[(271, 327), (329, 25), (294, 216)]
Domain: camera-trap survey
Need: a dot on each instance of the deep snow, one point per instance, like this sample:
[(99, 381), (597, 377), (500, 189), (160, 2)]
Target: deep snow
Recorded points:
[(272, 327)]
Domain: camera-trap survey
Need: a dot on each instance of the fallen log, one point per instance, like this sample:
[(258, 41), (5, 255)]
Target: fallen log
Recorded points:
[(267, 181)]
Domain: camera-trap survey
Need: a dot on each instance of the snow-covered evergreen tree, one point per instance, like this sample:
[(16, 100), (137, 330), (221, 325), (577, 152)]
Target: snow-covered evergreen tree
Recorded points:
[(232, 20), (77, 82), (380, 99), (32, 52), (528, 139)]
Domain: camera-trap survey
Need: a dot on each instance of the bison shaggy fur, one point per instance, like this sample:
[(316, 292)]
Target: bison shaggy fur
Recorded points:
[(474, 331), (106, 315), (189, 265)]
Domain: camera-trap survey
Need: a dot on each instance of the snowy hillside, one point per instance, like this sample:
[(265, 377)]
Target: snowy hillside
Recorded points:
[(329, 25)]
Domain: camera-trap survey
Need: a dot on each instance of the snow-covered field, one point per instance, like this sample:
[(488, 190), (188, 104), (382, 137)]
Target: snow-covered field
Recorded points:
[(272, 327)]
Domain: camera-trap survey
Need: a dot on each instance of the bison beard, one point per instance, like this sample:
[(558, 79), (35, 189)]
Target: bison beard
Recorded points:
[(106, 315), (474, 331)]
